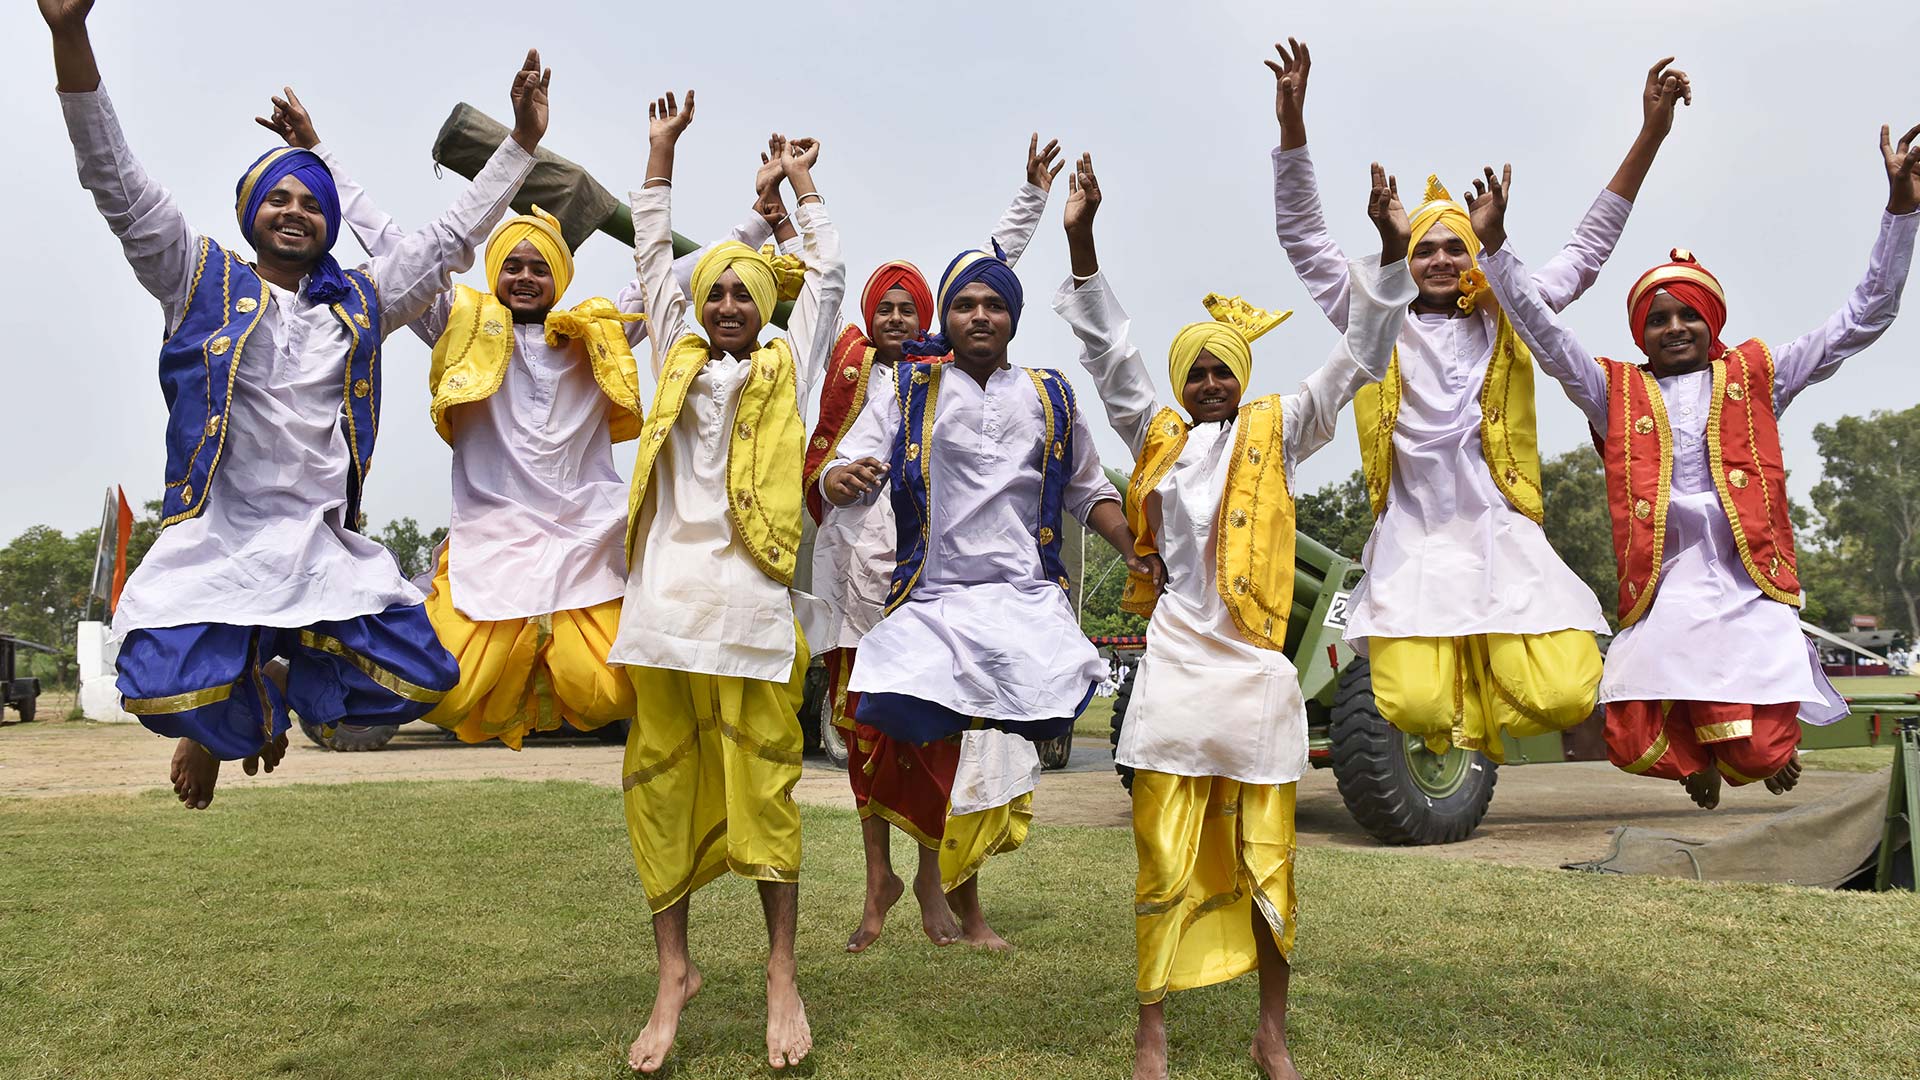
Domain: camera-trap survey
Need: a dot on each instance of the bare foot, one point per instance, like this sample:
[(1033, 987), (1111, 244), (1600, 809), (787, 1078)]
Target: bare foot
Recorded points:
[(269, 755), (1269, 1051), (788, 1037), (1783, 781), (874, 918), (1150, 1044), (936, 915), (978, 934), (1704, 788), (649, 1052), (193, 773)]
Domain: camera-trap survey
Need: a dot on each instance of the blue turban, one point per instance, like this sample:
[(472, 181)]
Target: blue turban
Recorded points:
[(968, 267), (326, 283)]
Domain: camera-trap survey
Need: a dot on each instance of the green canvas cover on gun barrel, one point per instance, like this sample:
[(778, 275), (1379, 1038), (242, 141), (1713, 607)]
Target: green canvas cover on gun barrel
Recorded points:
[(558, 186)]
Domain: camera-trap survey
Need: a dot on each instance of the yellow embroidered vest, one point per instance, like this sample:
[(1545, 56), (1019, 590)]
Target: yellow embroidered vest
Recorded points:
[(1254, 532), (470, 359), (1508, 442), (764, 453)]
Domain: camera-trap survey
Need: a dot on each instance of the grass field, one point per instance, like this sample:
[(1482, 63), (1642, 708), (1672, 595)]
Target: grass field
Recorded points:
[(495, 929)]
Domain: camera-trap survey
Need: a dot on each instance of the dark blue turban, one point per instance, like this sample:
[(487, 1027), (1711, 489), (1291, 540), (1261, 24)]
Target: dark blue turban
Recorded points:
[(326, 283), (988, 268)]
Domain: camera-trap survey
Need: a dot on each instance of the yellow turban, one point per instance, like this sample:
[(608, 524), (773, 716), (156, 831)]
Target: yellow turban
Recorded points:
[(1440, 209), (1228, 337), (769, 277), (543, 231)]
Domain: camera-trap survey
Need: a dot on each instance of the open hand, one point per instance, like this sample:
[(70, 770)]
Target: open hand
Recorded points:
[(666, 119), (1666, 88), (530, 101), (1388, 216), (1083, 196), (855, 480), (1487, 207), (290, 121), (1290, 88), (802, 154), (1040, 167), (1903, 170), (773, 165), (65, 14)]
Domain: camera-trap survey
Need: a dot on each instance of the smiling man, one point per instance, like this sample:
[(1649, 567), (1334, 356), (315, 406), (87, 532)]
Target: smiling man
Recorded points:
[(708, 630), (271, 374), (1474, 626), (983, 460), (532, 398), (895, 784), (1710, 674)]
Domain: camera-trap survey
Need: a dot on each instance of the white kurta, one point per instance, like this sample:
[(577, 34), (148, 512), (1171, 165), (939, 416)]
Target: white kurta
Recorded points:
[(1710, 633), (1450, 556), (539, 520), (695, 599), (987, 633), (853, 550), (1207, 701), (272, 547)]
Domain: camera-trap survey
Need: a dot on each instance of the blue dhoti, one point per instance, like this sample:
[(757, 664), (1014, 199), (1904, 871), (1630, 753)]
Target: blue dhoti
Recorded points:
[(205, 681)]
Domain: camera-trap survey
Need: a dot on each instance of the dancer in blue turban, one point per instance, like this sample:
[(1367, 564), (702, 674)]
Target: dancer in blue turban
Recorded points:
[(260, 595)]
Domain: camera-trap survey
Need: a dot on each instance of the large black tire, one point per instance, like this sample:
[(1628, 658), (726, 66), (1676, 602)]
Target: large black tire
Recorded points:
[(349, 738), (833, 741), (1055, 752), (1395, 788), (27, 706), (614, 733), (1122, 697), (812, 698)]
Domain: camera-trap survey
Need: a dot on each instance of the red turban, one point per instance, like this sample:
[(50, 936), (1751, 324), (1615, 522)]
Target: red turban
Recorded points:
[(898, 275), (1688, 282)]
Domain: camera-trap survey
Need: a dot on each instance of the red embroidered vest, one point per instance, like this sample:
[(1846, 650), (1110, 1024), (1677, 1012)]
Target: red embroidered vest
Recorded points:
[(1743, 443), (843, 393)]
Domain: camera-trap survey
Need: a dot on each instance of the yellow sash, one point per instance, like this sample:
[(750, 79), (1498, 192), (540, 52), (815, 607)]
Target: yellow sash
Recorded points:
[(1254, 533), (470, 359), (1508, 441), (765, 452)]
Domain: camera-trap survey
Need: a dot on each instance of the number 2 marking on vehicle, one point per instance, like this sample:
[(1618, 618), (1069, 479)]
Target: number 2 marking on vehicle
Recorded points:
[(1337, 611)]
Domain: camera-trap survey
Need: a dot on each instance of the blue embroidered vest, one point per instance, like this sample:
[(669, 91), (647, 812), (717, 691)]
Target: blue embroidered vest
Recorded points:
[(917, 387), (199, 361)]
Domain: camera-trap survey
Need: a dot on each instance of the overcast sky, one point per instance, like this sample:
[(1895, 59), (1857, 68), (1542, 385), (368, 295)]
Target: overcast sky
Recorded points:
[(1773, 176)]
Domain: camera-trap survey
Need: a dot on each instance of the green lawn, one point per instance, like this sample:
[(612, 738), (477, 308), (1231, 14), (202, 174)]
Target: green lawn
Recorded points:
[(496, 929), (1096, 722)]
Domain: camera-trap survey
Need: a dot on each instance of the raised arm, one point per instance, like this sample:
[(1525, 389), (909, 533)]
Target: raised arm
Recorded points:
[(1382, 289), (1553, 345), (1297, 217), (666, 297), (1014, 231), (1870, 309), (422, 264), (813, 324), (159, 244), (1088, 304), (1574, 269)]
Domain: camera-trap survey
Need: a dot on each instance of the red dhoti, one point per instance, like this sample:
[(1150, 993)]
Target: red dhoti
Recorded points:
[(903, 783), (1676, 739)]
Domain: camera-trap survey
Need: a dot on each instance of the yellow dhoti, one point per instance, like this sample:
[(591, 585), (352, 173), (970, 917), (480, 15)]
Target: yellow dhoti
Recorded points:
[(971, 839), (521, 675), (1466, 691), (1212, 853), (708, 779)]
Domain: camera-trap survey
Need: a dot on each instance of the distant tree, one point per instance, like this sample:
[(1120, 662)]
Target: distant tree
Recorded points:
[(45, 577), (1104, 580), (411, 548), (1338, 515), (1869, 502)]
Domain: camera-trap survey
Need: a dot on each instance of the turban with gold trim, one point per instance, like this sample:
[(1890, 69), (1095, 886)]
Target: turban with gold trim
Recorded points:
[(540, 229), (1228, 337), (1688, 282), (770, 277)]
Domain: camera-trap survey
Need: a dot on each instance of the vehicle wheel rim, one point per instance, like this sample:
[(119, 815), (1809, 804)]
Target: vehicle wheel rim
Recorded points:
[(1437, 775)]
